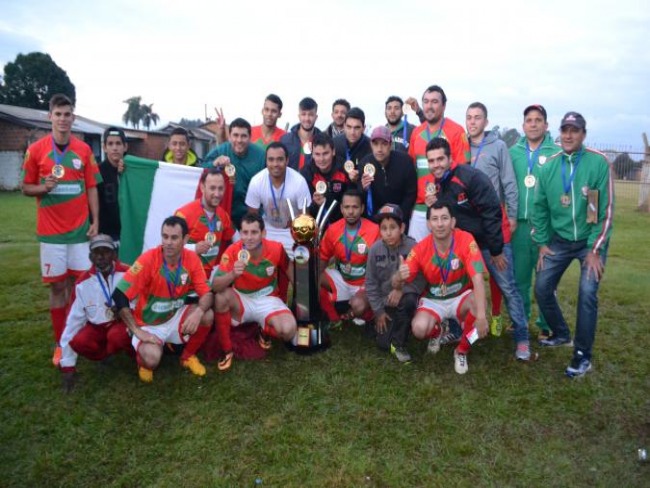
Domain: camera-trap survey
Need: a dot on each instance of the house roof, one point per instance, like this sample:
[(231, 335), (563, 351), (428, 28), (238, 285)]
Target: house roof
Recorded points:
[(31, 117)]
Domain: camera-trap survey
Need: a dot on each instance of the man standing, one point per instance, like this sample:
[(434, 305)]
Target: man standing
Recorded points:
[(572, 219), (247, 160), (268, 132), (453, 269), (353, 145), (393, 179), (298, 140), (340, 108), (434, 102), (115, 147), (269, 191), (92, 329), (160, 280), (397, 123), (490, 155), (477, 210), (535, 148), (61, 172), (178, 149)]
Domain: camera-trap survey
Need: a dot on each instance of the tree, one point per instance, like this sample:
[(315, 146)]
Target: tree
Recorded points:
[(190, 123), (509, 136), (149, 117), (139, 113), (32, 79)]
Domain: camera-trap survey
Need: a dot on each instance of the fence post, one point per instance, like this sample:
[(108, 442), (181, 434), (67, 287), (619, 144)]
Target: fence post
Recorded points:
[(644, 189)]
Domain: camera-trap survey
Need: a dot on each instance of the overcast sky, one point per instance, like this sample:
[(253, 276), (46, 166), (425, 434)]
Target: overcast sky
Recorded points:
[(588, 56)]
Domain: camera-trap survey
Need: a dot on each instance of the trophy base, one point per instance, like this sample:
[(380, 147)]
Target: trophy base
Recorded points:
[(311, 337)]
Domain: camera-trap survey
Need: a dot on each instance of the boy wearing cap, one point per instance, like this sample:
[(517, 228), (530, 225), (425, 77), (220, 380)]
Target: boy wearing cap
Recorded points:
[(572, 219), (533, 149), (115, 147), (92, 328), (393, 179), (393, 309)]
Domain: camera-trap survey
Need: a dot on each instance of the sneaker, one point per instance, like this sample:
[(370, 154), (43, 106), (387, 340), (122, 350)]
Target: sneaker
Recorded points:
[(433, 347), (556, 341), (544, 334), (194, 365), (448, 335), (358, 322), (460, 362), (56, 357), (496, 325), (523, 351), (146, 375), (401, 353), (579, 366), (264, 342), (225, 363)]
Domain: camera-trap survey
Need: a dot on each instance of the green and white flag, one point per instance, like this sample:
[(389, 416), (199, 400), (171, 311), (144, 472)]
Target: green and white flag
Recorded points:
[(151, 191)]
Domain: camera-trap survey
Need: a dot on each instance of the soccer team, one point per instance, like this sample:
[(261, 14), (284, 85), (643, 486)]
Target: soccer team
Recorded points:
[(425, 214)]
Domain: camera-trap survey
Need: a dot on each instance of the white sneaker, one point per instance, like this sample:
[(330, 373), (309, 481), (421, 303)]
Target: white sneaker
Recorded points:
[(433, 347), (460, 362)]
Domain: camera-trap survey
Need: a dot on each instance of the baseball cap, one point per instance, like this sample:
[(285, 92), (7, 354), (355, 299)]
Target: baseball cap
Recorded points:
[(381, 132), (389, 210), (538, 107), (574, 119), (102, 240)]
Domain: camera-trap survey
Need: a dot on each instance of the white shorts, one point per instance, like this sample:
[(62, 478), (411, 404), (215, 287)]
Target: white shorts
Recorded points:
[(283, 236), (259, 309), (342, 291), (443, 309), (418, 226), (169, 331), (60, 260)]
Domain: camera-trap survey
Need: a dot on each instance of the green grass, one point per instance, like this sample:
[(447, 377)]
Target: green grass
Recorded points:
[(350, 417)]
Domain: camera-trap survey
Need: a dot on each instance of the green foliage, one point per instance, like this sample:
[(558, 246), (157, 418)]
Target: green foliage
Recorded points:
[(139, 113), (190, 123), (32, 79), (350, 417)]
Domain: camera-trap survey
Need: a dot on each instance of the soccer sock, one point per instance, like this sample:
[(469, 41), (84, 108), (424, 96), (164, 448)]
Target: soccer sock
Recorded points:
[(496, 297), (222, 321), (195, 342), (435, 332), (468, 325), (57, 316), (269, 331), (326, 305)]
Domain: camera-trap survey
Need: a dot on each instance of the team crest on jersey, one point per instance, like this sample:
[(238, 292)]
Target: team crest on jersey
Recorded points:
[(136, 268), (76, 162), (270, 270), (585, 191), (462, 198), (184, 277), (542, 160), (455, 264), (473, 248), (361, 247)]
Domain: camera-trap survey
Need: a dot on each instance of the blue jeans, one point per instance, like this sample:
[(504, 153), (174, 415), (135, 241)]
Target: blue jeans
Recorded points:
[(547, 281), (505, 280)]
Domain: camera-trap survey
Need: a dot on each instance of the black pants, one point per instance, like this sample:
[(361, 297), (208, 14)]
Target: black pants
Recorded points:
[(397, 332)]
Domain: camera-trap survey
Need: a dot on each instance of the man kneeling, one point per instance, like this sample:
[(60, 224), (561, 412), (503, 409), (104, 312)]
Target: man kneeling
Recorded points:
[(452, 265), (246, 286), (161, 279)]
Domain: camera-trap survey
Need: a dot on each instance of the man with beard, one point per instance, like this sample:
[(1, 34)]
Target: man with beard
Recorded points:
[(340, 108), (298, 140), (397, 123)]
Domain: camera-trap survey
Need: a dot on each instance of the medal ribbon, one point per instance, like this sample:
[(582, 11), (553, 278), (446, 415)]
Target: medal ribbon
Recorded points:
[(404, 131), (347, 240), (445, 265), (532, 158), (565, 183), (58, 158), (478, 153), (212, 222), (106, 290), (168, 278), (437, 133), (275, 202)]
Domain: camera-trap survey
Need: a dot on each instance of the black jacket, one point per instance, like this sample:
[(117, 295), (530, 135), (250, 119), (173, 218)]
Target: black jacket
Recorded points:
[(357, 152), (337, 183), (292, 140)]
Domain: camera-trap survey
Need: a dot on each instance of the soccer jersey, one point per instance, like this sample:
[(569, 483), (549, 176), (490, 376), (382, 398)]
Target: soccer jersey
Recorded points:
[(449, 274), (350, 251), (257, 137), (260, 278), (200, 224), (449, 130), (62, 215), (161, 291)]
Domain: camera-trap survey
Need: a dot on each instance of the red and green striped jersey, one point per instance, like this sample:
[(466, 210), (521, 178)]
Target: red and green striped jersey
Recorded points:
[(62, 215), (350, 253), (449, 130), (258, 138), (199, 226), (260, 278), (157, 299), (461, 262)]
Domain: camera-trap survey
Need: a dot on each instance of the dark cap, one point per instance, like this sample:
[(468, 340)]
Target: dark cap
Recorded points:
[(539, 108), (102, 240), (381, 132), (389, 210), (574, 119)]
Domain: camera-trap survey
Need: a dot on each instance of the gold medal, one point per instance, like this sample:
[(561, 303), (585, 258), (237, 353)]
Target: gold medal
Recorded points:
[(443, 289), (529, 181), (321, 187), (565, 200), (244, 256), (348, 166), (110, 315), (210, 238), (369, 169), (347, 268), (230, 170), (306, 148), (406, 108), (430, 188), (58, 171)]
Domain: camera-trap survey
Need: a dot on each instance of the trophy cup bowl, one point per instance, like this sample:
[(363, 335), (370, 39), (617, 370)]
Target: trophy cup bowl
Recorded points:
[(303, 229)]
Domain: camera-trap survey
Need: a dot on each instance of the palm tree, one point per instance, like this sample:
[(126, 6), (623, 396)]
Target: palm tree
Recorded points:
[(133, 114), (149, 117)]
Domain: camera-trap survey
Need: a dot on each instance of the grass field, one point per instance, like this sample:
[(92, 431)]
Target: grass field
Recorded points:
[(350, 417)]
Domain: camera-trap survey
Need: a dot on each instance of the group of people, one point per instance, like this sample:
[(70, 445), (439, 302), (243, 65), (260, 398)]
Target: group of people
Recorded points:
[(425, 213)]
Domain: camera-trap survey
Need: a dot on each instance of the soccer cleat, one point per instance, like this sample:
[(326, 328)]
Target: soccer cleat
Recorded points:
[(401, 353), (225, 363), (264, 342), (449, 335), (496, 325), (460, 362), (146, 375), (194, 365), (578, 367), (556, 341), (523, 351), (56, 357)]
